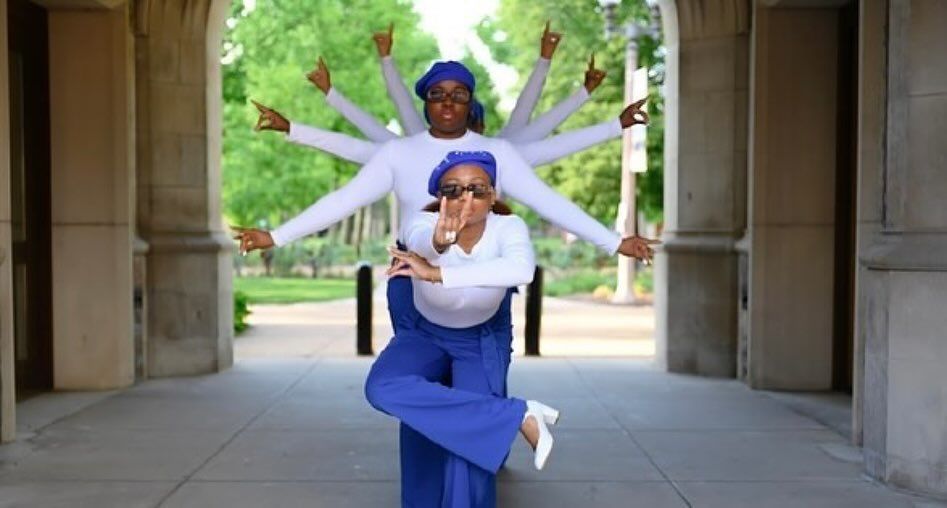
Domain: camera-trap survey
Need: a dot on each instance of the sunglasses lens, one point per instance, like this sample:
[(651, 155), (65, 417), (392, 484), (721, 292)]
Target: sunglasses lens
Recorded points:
[(451, 191)]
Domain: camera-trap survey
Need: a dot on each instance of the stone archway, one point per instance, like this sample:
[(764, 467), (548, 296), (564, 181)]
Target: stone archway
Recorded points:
[(188, 267)]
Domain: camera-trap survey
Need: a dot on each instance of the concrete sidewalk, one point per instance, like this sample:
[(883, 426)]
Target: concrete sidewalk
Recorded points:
[(298, 433)]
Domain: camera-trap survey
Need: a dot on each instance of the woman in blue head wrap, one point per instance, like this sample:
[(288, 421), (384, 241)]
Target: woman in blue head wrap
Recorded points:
[(463, 253)]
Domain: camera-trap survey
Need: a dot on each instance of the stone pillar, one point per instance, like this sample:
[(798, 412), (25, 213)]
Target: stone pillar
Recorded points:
[(7, 363), (791, 233), (92, 186), (902, 292), (706, 98), (190, 308)]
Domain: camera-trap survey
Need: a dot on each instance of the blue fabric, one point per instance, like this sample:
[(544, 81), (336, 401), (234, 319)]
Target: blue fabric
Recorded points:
[(484, 160), (443, 71), (477, 113), (425, 465), (474, 426)]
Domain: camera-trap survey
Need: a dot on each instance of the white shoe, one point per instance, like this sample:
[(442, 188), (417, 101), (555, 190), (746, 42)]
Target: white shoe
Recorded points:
[(543, 415)]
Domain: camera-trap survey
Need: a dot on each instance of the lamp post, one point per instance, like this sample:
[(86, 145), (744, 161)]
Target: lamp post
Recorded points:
[(626, 221)]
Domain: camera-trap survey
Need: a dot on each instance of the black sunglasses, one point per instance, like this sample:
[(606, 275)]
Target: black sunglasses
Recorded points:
[(454, 191), (457, 95)]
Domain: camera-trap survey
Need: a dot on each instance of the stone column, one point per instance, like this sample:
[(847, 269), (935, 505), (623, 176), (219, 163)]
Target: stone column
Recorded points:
[(190, 308), (902, 292), (793, 134), (706, 91), (7, 363), (92, 187)]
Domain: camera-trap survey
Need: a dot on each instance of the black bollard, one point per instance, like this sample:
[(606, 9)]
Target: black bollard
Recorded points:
[(534, 312), (363, 318)]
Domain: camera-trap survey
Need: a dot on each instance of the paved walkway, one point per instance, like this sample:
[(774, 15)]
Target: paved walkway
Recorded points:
[(296, 432)]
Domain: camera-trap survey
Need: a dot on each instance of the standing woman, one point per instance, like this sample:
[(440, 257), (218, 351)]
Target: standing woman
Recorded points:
[(464, 258)]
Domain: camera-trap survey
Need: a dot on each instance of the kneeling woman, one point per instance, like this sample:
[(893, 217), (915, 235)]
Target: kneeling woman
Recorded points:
[(464, 253)]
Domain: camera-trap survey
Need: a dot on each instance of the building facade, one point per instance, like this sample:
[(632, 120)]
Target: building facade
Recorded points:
[(805, 245)]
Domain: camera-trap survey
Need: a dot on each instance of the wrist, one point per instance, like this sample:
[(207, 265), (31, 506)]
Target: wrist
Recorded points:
[(435, 274)]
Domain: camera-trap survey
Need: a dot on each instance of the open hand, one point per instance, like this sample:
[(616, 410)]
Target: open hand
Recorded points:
[(252, 239), (634, 114), (270, 119), (383, 41), (549, 42), (320, 76), (593, 76)]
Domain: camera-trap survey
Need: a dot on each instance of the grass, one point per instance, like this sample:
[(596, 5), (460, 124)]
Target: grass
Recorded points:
[(587, 279), (293, 290), (584, 281)]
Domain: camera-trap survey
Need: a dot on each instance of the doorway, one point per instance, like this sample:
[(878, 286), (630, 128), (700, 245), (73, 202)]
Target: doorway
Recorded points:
[(30, 197)]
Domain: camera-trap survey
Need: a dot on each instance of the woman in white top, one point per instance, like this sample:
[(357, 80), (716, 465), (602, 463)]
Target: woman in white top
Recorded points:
[(463, 258), (528, 137)]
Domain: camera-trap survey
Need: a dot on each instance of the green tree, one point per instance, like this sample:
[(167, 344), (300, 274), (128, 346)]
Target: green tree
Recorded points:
[(591, 178)]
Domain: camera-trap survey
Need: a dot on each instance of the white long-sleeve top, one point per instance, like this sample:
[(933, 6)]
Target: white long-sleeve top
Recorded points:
[(370, 127), (404, 165), (535, 153), (529, 96), (475, 283), (411, 121), (336, 143), (545, 123)]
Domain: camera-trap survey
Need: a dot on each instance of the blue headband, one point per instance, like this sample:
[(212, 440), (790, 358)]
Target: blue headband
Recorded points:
[(443, 71), (483, 159)]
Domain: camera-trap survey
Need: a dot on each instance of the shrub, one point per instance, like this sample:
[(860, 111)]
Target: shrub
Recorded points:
[(240, 311)]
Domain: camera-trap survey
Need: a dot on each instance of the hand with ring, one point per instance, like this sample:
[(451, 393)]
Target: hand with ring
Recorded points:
[(448, 228)]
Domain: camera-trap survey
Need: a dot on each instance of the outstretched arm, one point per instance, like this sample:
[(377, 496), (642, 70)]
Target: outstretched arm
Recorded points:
[(370, 127), (529, 96), (544, 124), (562, 145), (338, 144), (519, 181), (397, 91), (371, 183)]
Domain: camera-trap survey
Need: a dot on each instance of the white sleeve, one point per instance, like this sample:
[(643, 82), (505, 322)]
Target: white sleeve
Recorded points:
[(528, 98), (515, 265), (420, 235), (336, 143), (371, 183), (556, 147), (369, 125), (544, 124), (518, 180), (398, 92)]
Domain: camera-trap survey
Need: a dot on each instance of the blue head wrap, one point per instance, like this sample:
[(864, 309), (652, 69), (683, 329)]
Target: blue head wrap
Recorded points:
[(483, 159), (476, 112), (443, 71)]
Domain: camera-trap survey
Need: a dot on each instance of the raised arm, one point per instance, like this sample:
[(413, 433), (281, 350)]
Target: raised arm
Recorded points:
[(556, 147), (529, 96), (519, 181), (397, 91), (372, 182), (544, 124), (515, 265), (338, 144), (367, 124)]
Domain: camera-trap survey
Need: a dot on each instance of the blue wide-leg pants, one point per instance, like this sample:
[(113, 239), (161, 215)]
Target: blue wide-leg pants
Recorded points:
[(453, 439), (423, 461)]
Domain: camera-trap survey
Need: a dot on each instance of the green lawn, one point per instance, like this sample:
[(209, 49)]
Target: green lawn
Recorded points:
[(293, 290)]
